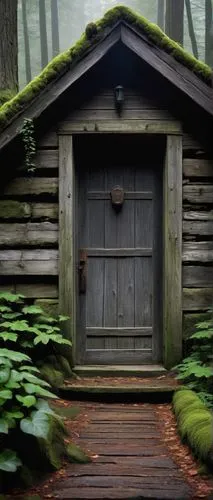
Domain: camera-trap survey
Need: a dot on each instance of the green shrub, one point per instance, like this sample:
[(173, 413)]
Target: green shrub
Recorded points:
[(196, 370), (195, 422)]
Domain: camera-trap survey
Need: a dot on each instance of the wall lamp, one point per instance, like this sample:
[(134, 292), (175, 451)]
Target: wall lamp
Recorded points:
[(119, 97)]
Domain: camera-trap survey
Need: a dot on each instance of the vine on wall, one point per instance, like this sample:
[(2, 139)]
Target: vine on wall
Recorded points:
[(28, 137)]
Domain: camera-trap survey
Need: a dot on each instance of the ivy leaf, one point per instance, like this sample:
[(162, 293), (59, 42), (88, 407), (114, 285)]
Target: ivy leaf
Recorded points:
[(8, 336), (29, 368), (6, 394), (4, 361), (63, 318), (32, 310), (37, 425), (14, 355), (11, 297), (202, 334), (11, 315), (19, 325), (36, 389), (4, 426), (32, 378), (43, 405), (9, 461), (27, 401), (4, 375), (5, 309)]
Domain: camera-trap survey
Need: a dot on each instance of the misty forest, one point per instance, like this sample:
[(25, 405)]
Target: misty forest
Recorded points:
[(68, 19)]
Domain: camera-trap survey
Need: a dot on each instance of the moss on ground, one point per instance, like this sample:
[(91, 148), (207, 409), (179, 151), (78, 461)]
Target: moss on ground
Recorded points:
[(76, 454), (93, 34), (195, 422)]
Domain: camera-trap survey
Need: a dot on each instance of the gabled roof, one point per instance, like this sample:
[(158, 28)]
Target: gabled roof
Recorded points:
[(119, 23)]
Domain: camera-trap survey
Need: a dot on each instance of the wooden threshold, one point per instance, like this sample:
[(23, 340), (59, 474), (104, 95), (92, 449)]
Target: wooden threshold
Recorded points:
[(151, 370)]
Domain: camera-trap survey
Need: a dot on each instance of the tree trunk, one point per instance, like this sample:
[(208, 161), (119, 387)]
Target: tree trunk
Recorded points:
[(161, 14), (26, 43), (55, 27), (8, 45), (191, 29), (208, 33), (43, 33), (174, 19)]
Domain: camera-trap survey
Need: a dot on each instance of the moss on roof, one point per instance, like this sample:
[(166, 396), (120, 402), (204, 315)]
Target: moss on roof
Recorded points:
[(93, 34)]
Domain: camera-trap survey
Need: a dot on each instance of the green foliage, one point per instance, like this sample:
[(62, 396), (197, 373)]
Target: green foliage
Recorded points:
[(25, 334), (194, 421), (196, 370), (27, 133), (28, 325)]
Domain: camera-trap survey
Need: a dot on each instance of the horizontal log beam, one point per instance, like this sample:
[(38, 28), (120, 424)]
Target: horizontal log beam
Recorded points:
[(197, 299), (198, 251), (28, 234), (198, 228), (197, 276), (198, 193), (29, 262), (198, 216), (121, 126), (32, 186), (197, 168), (13, 209), (32, 290)]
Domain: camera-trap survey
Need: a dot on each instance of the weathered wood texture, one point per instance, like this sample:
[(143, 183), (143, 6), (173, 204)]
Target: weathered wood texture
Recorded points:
[(172, 305), (131, 459)]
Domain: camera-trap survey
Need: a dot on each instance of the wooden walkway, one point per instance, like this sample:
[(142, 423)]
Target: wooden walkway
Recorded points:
[(129, 459)]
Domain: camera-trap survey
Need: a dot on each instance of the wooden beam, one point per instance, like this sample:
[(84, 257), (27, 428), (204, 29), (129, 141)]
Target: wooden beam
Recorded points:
[(54, 90), (169, 68), (172, 303), (198, 193), (32, 290), (121, 127), (198, 251), (197, 299), (198, 228), (198, 276), (197, 168), (27, 186), (198, 216), (28, 234), (29, 262), (66, 233)]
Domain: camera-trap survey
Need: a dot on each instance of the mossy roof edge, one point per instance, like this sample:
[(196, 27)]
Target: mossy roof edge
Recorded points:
[(94, 33)]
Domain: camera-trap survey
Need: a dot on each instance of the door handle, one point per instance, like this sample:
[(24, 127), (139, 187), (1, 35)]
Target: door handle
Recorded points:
[(82, 271)]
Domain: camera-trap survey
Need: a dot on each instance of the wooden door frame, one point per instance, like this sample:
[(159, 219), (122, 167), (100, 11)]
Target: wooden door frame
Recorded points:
[(172, 234)]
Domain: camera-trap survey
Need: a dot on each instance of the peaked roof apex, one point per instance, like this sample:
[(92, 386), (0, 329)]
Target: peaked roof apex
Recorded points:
[(95, 32)]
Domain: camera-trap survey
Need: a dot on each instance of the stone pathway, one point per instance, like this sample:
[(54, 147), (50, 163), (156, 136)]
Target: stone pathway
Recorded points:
[(130, 459)]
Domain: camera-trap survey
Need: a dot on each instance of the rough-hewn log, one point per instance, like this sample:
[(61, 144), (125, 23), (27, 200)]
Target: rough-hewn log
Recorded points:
[(44, 211), (28, 262), (28, 234), (198, 193), (196, 299), (198, 251), (32, 290), (195, 216), (197, 276), (12, 209), (191, 144), (200, 228), (48, 140), (197, 168), (32, 186)]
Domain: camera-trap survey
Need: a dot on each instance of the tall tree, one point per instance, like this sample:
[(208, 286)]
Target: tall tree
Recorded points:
[(43, 33), (191, 28), (8, 45), (208, 33), (160, 20), (55, 27), (26, 42), (174, 19)]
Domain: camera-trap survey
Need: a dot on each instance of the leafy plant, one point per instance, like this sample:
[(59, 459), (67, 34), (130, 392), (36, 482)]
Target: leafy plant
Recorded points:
[(196, 369), (28, 325)]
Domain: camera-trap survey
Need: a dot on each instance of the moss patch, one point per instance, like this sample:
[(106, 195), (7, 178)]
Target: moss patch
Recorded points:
[(195, 423), (52, 376), (76, 454), (10, 209), (93, 34), (66, 412), (49, 306)]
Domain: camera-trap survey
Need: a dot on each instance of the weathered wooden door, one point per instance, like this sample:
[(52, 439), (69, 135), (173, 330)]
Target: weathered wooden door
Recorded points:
[(120, 250)]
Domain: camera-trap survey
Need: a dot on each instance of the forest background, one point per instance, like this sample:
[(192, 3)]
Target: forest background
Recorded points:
[(46, 27)]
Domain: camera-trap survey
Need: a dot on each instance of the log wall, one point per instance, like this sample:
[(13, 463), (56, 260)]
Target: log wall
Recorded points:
[(29, 217)]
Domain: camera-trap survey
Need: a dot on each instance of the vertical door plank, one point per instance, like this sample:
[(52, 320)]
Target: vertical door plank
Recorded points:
[(143, 291), (172, 315)]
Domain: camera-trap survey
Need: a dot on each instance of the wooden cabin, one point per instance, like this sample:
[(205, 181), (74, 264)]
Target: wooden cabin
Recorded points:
[(116, 223)]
